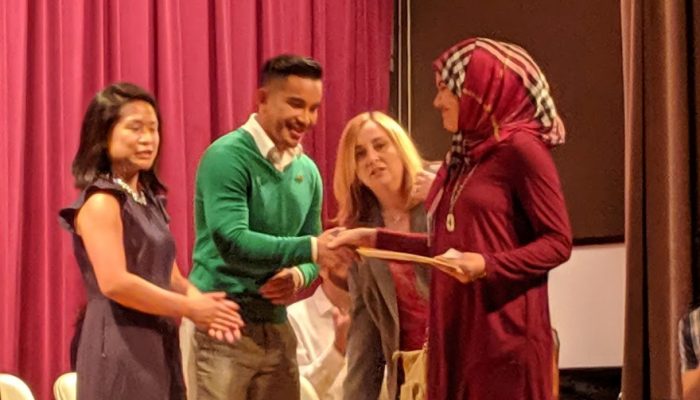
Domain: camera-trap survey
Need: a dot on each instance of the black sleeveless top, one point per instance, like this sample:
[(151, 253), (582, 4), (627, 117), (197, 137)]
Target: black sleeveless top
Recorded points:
[(124, 353)]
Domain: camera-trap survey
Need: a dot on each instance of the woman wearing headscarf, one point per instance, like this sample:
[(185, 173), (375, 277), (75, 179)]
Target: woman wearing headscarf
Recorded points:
[(496, 211)]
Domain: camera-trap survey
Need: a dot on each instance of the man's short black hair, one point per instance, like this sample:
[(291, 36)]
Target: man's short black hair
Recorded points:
[(285, 65)]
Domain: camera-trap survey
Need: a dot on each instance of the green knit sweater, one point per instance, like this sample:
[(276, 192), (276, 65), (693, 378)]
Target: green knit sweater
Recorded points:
[(252, 220)]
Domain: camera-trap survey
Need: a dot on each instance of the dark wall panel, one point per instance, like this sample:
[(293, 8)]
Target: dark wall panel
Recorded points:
[(578, 46)]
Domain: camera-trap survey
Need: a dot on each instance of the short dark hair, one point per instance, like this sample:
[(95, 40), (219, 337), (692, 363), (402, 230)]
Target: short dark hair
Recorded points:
[(92, 158), (285, 65)]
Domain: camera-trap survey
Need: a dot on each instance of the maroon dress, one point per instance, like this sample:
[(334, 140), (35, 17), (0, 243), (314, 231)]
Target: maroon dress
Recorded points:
[(491, 339), (124, 353)]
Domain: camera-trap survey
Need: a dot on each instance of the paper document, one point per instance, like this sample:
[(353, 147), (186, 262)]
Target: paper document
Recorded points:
[(399, 256)]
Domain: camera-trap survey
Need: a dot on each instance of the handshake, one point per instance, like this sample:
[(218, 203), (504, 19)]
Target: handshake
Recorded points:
[(336, 250), (215, 314), (335, 253)]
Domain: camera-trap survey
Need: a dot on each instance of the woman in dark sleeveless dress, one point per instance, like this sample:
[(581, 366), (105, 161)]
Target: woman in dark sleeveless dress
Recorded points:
[(128, 345)]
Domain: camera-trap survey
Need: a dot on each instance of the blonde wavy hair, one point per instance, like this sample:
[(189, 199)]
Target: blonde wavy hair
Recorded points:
[(355, 200)]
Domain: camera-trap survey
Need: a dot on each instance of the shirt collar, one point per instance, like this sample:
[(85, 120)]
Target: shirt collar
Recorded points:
[(262, 139), (321, 302)]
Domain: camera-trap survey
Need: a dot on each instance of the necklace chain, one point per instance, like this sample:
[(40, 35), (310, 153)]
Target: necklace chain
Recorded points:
[(139, 197), (393, 218), (456, 191)]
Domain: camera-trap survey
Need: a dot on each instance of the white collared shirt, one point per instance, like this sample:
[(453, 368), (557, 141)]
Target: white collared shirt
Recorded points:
[(319, 361), (267, 146)]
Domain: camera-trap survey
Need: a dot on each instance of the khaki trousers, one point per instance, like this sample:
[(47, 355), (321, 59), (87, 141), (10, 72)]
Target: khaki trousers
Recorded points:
[(261, 365)]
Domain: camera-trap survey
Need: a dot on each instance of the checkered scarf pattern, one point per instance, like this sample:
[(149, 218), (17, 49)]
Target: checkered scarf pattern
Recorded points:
[(501, 90)]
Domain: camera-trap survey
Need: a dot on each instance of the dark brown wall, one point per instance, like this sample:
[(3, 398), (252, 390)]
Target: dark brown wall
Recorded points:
[(577, 44)]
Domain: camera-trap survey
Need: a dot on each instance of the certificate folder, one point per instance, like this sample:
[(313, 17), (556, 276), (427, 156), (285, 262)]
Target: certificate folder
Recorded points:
[(443, 266)]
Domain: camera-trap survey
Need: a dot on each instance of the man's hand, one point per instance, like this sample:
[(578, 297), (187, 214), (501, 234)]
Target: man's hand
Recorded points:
[(281, 287), (421, 186), (341, 324), (336, 261)]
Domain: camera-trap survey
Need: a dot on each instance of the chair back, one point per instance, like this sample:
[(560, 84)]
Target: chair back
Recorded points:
[(65, 386), (13, 388), (308, 392)]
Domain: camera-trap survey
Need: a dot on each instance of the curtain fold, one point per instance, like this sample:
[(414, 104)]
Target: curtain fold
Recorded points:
[(658, 52), (201, 60)]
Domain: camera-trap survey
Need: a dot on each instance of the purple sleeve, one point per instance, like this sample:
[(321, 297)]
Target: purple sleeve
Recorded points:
[(66, 216)]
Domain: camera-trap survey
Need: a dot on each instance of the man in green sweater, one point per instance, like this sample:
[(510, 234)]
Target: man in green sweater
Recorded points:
[(257, 214)]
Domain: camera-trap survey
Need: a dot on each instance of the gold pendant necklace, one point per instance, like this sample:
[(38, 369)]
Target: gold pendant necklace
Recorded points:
[(450, 223)]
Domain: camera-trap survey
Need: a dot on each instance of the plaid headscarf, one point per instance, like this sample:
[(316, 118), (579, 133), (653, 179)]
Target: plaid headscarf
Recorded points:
[(501, 90)]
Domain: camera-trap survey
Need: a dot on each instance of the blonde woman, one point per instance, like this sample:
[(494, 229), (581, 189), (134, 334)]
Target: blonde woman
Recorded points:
[(376, 185)]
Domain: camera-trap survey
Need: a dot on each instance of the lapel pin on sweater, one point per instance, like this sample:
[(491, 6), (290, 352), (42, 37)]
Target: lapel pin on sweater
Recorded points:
[(299, 178)]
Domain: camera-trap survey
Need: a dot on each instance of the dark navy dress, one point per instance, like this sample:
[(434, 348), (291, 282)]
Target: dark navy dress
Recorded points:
[(124, 353)]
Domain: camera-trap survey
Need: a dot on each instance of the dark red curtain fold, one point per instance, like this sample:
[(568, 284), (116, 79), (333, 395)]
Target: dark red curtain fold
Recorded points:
[(660, 64), (200, 58)]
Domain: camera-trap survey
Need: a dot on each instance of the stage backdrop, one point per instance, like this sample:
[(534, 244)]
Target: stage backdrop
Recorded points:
[(578, 45), (201, 59)]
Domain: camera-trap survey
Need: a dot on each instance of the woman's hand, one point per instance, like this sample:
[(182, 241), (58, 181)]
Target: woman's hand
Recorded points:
[(213, 313), (225, 334), (471, 264), (358, 237)]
